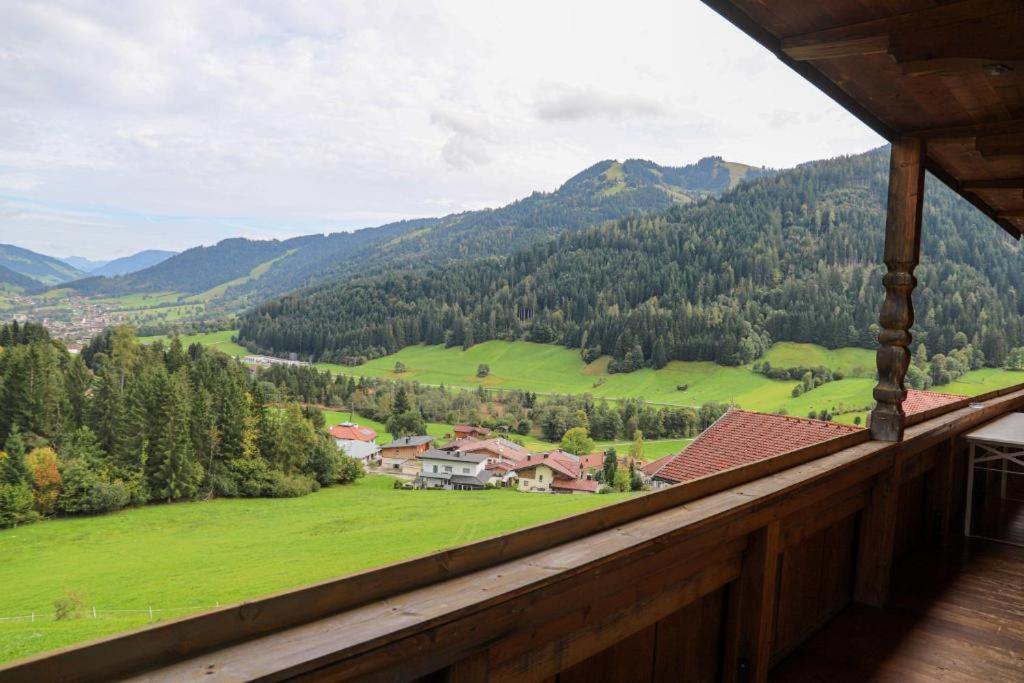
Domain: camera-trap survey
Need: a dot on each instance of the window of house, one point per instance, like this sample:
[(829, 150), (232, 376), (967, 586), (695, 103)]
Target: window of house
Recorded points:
[(447, 468), (435, 468), (540, 477), (465, 470)]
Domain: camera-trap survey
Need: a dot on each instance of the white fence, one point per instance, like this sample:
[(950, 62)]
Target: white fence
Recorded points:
[(97, 613)]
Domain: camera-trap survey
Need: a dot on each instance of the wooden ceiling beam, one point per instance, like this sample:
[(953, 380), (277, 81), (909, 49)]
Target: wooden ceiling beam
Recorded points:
[(992, 184), (971, 130), (970, 30), (1012, 213)]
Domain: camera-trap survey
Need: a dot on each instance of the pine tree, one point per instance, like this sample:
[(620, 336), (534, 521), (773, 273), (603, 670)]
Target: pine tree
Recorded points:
[(172, 470)]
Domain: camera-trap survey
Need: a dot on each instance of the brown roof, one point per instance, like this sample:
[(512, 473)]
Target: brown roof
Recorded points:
[(559, 461), (471, 429), (741, 437), (918, 401), (652, 467), (945, 72), (502, 448), (576, 485)]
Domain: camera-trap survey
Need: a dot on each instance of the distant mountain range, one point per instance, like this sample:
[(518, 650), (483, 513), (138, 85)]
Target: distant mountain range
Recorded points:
[(83, 264), (120, 266), (248, 271)]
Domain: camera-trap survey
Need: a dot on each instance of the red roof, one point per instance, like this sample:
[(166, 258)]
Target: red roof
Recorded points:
[(592, 461), (588, 485), (919, 401), (352, 432), (741, 437), (559, 461), (652, 467)]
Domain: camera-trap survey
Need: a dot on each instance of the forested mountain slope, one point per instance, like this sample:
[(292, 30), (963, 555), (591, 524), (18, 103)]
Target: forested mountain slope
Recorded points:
[(607, 190), (10, 279), (41, 268), (790, 257)]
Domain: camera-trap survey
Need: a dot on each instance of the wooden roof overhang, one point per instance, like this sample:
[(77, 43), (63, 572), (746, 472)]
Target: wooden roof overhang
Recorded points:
[(951, 73)]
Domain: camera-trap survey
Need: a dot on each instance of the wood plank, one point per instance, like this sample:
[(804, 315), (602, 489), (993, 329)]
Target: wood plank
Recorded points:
[(993, 183), (877, 540), (751, 617)]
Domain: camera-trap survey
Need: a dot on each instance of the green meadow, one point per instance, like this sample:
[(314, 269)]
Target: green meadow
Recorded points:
[(188, 557), (217, 340)]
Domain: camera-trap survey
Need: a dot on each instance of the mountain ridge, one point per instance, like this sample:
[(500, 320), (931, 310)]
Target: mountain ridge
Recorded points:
[(604, 191)]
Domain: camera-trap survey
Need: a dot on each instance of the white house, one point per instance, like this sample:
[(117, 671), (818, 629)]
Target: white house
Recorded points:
[(452, 470), (366, 452)]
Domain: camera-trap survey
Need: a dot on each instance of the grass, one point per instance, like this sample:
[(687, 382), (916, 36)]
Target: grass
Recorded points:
[(853, 362), (194, 555), (217, 340), (550, 369)]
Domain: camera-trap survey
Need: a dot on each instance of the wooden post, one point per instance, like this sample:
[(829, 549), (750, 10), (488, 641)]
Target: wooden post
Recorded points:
[(877, 541), (751, 613), (902, 252)]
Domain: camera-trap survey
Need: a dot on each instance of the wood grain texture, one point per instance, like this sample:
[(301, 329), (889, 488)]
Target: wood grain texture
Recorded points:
[(947, 621), (902, 253)]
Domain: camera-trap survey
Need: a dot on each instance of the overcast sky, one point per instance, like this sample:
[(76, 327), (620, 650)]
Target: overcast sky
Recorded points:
[(132, 125)]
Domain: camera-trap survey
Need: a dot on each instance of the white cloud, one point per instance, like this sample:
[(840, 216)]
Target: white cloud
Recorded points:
[(135, 124)]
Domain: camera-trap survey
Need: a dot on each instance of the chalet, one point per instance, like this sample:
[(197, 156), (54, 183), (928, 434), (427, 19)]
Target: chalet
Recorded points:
[(470, 431), (845, 560), (553, 472), (738, 438), (357, 442), (452, 470), (401, 453), (497, 450)]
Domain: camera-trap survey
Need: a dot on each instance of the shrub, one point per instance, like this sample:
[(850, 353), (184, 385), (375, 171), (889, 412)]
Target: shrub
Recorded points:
[(397, 484), (483, 370), (68, 606), (399, 367), (349, 469), (87, 489), (324, 463), (253, 477), (290, 485), (15, 505)]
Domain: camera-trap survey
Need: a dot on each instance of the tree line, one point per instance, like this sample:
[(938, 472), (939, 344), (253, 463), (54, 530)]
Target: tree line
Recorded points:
[(125, 423)]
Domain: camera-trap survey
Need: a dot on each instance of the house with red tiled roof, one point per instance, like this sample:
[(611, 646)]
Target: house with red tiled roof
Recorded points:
[(467, 431), (741, 437), (357, 442), (552, 472), (350, 431), (918, 401), (496, 450)]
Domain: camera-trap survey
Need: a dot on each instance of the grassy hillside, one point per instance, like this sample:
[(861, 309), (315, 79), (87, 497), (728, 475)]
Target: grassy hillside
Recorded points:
[(190, 556), (217, 340)]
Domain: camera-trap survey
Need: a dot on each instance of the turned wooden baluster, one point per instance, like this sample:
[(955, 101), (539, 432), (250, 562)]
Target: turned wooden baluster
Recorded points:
[(902, 252)]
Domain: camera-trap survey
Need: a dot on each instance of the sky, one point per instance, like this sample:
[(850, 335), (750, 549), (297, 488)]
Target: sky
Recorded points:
[(131, 125)]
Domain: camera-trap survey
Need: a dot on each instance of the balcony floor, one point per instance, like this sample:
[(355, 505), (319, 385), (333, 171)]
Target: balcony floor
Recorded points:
[(946, 621)]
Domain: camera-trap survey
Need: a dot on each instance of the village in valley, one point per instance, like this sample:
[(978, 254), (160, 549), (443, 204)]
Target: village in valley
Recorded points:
[(475, 458)]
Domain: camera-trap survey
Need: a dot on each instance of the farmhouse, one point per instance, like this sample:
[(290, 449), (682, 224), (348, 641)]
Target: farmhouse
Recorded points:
[(496, 450), (553, 472), (452, 470), (470, 431), (401, 453), (357, 442)]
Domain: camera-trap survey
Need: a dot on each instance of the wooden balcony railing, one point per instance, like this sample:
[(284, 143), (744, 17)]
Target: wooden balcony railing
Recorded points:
[(712, 580)]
